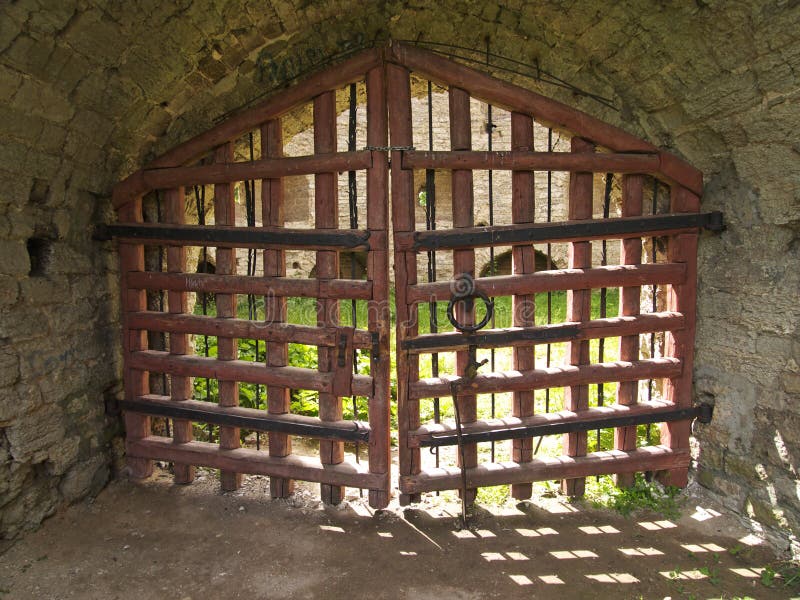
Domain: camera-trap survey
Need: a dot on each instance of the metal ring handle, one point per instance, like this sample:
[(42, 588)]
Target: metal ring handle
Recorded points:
[(470, 328)]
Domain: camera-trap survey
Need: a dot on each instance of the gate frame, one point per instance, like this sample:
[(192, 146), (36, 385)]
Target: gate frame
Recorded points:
[(386, 71)]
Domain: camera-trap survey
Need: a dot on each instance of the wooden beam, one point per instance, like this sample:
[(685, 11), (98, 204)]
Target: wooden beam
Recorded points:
[(148, 179), (326, 216), (463, 258), (517, 337), (552, 377), (405, 266), (631, 254), (242, 284), (242, 370), (280, 333), (649, 458), (526, 159), (562, 279), (679, 390), (180, 387), (378, 309), (576, 397), (135, 381), (523, 305), (275, 309), (255, 462)]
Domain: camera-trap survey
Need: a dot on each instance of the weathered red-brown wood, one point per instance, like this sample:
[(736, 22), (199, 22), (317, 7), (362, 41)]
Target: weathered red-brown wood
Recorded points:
[(631, 254), (272, 204), (563, 279), (326, 216), (146, 180), (180, 387), (579, 302), (567, 375), (378, 273), (431, 430), (547, 111), (649, 458), (526, 159), (242, 284), (405, 266), (135, 381), (279, 333), (281, 102), (463, 259), (587, 330), (681, 249), (227, 348), (245, 460), (242, 370), (523, 306)]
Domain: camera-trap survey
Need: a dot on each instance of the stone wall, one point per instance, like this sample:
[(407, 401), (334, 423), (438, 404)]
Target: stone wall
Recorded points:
[(89, 89)]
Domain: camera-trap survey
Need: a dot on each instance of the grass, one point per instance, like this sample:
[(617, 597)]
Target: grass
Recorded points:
[(642, 495)]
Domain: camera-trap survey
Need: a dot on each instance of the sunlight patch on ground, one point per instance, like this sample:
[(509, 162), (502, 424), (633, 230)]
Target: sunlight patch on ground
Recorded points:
[(613, 578), (566, 554), (641, 551), (593, 530)]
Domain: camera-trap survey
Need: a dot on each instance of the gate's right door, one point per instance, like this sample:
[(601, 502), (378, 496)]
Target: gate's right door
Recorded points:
[(584, 240)]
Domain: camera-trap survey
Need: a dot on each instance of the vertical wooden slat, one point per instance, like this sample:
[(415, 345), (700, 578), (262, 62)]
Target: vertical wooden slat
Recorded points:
[(405, 268), (278, 401), (136, 383), (523, 261), (227, 348), (576, 398), (682, 298), (378, 273), (180, 387), (326, 216), (463, 260), (630, 254)]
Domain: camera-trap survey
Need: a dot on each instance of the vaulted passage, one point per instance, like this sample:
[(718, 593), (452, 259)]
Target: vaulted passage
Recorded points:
[(90, 92)]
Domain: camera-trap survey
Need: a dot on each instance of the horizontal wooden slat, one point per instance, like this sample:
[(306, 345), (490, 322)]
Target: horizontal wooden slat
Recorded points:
[(433, 431), (146, 180), (247, 418), (255, 462), (259, 286), (223, 236), (564, 231), (242, 370), (242, 328), (649, 458), (523, 160), (546, 334), (551, 377), (562, 279)]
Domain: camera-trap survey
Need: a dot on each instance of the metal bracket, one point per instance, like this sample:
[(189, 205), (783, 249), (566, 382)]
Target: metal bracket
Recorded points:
[(390, 148)]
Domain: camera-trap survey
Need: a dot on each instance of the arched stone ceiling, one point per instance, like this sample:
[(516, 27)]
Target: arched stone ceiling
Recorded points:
[(130, 79)]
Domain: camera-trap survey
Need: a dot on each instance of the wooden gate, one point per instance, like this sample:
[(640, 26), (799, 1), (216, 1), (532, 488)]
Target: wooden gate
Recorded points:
[(207, 161), (595, 147)]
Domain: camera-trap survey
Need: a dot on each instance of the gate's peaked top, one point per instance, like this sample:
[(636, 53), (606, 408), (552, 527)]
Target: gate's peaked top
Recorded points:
[(437, 68)]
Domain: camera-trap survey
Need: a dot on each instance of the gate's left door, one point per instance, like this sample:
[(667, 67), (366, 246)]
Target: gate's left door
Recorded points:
[(235, 346)]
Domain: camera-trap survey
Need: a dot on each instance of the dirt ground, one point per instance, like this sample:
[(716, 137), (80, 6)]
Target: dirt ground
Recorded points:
[(153, 539)]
